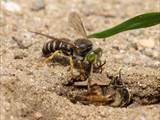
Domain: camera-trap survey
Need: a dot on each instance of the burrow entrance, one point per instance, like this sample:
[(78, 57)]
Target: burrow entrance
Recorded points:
[(133, 87), (109, 91)]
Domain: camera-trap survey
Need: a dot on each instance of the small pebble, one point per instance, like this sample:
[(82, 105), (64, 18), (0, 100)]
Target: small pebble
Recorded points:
[(151, 53), (38, 115), (157, 63), (148, 52), (147, 43), (38, 5), (11, 6), (27, 35), (145, 58)]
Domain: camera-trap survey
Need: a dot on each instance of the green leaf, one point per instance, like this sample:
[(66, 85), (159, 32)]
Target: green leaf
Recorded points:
[(141, 21)]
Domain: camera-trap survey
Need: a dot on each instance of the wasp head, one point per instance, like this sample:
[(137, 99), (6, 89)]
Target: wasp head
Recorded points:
[(84, 46)]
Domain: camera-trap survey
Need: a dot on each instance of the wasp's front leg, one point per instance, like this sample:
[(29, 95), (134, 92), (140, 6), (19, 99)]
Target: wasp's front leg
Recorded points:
[(90, 77), (98, 66), (82, 70), (71, 65)]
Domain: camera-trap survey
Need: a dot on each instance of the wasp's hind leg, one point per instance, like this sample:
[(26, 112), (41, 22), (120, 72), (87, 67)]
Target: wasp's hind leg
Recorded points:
[(56, 53), (51, 56)]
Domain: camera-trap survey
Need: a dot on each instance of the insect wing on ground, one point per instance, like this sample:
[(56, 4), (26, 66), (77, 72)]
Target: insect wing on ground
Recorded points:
[(76, 23)]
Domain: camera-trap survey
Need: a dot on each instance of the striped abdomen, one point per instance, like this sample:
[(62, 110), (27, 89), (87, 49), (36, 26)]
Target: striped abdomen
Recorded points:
[(54, 45)]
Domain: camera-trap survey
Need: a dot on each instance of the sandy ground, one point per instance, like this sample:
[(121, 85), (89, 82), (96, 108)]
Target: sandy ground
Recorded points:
[(31, 92)]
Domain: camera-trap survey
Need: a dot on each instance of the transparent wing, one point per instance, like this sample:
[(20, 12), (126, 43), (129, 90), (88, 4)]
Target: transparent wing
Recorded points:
[(76, 23), (54, 38)]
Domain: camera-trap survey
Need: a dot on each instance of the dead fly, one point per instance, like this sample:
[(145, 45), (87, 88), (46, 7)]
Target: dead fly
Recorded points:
[(81, 49)]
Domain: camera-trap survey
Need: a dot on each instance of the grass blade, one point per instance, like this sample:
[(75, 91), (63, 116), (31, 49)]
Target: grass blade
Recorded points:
[(141, 21)]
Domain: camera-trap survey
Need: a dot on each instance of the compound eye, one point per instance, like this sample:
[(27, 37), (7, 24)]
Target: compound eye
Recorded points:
[(83, 46)]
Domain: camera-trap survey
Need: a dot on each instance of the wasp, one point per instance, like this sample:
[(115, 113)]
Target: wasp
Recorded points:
[(81, 49)]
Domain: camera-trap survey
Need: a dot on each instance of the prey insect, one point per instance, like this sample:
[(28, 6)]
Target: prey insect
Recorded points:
[(115, 93), (81, 49)]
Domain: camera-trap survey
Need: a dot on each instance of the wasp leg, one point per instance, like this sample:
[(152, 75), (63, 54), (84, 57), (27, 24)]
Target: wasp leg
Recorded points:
[(120, 74), (90, 77), (56, 53), (82, 72), (71, 65), (99, 66)]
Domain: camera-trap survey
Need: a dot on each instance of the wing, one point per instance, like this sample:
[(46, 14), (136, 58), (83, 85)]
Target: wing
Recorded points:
[(54, 38), (76, 23)]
